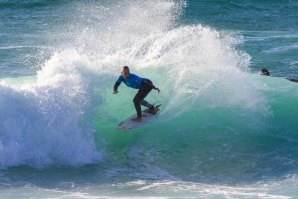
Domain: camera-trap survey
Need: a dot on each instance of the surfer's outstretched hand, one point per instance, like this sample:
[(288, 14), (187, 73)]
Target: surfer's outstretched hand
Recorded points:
[(115, 92), (158, 90)]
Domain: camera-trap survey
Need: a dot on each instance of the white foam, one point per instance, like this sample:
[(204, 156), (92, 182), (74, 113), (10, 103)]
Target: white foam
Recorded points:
[(42, 122)]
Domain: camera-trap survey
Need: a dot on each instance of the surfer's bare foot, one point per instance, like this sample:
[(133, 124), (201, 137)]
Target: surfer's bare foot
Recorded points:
[(137, 119)]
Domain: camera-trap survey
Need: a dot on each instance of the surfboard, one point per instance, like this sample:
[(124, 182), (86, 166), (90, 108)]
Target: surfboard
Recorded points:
[(128, 124)]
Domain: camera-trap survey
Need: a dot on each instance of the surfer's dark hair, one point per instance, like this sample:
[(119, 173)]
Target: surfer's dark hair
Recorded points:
[(125, 68), (264, 71)]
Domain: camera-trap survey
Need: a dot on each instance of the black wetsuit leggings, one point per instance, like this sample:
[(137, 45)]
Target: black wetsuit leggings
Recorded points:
[(138, 100)]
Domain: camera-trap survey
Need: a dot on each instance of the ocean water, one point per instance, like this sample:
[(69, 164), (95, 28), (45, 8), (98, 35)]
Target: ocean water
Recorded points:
[(223, 131)]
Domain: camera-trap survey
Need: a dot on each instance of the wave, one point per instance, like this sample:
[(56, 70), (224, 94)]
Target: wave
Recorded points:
[(218, 121)]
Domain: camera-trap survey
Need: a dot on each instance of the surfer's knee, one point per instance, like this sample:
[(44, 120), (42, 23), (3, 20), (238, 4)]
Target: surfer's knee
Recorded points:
[(136, 100)]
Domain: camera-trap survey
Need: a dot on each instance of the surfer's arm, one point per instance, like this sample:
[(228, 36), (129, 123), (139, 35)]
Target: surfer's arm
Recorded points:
[(155, 88), (117, 84)]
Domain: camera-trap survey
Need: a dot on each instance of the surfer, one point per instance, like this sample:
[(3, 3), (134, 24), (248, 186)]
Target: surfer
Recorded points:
[(265, 72), (143, 84)]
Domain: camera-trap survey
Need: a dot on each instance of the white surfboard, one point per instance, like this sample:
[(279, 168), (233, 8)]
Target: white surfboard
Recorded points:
[(128, 124)]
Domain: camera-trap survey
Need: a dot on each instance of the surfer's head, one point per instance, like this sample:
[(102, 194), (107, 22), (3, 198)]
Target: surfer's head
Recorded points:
[(265, 72), (125, 72)]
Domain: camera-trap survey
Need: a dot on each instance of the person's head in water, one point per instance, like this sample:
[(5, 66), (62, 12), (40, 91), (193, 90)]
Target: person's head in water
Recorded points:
[(125, 72), (264, 72)]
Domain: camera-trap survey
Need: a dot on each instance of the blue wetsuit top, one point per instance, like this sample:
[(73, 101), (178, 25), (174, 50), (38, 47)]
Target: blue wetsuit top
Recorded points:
[(133, 81)]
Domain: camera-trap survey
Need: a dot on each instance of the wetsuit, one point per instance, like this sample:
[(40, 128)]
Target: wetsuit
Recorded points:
[(144, 85)]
